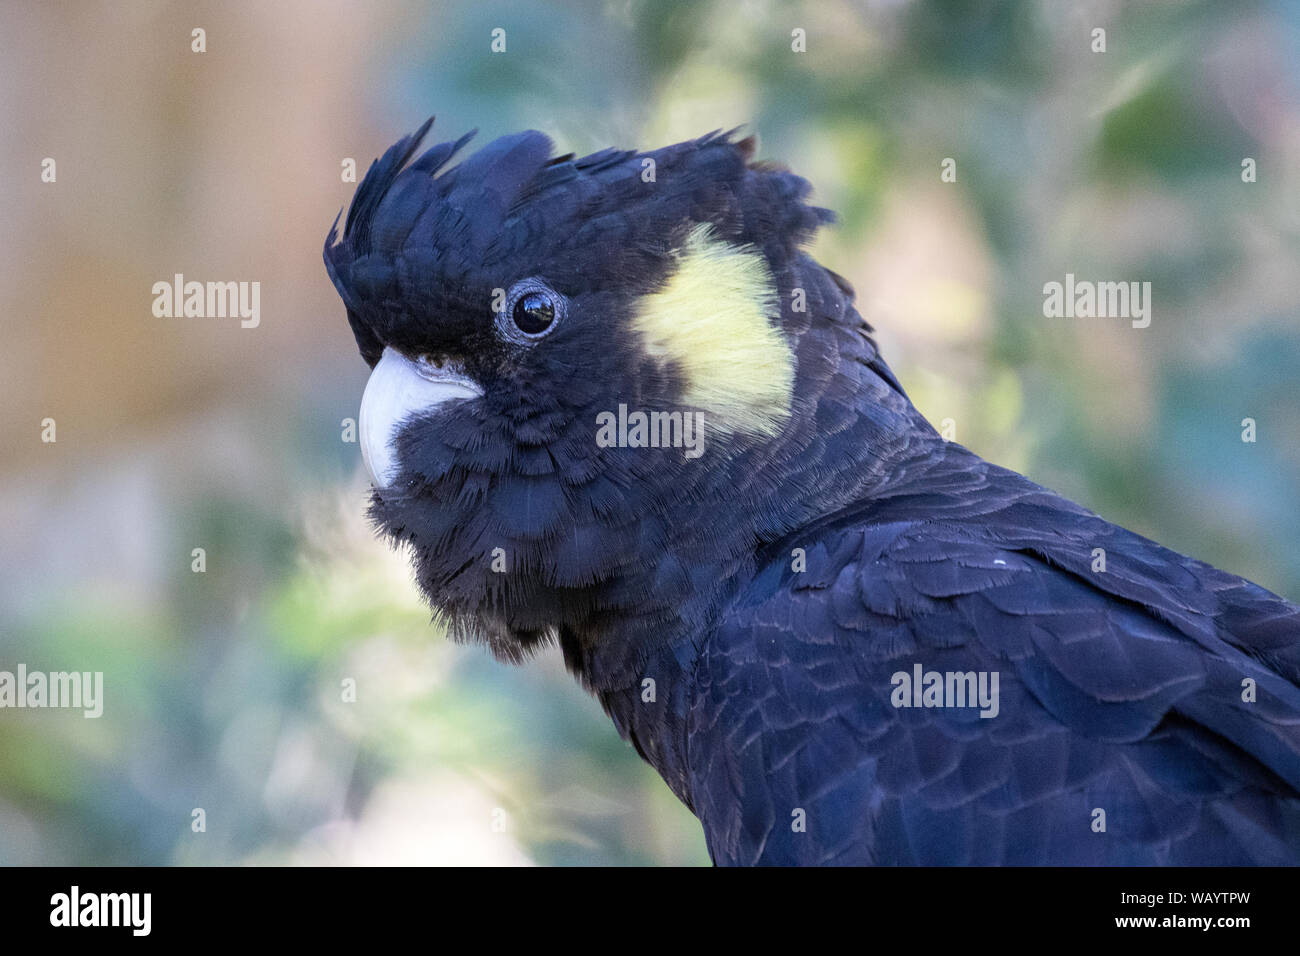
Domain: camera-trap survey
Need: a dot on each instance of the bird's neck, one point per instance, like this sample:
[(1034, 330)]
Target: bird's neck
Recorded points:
[(651, 714), (643, 668)]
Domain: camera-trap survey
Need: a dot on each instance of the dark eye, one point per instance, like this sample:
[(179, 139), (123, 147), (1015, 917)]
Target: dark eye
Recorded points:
[(532, 310), (534, 313)]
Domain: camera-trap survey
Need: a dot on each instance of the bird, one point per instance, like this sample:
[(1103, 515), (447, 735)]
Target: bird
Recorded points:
[(616, 406)]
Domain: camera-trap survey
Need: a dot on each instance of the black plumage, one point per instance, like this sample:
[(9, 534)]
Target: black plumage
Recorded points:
[(1125, 690)]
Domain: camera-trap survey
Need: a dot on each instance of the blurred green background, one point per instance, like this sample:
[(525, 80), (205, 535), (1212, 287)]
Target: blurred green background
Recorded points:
[(223, 689)]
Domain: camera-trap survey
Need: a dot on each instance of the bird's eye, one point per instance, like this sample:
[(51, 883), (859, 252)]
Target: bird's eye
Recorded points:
[(532, 310), (534, 313)]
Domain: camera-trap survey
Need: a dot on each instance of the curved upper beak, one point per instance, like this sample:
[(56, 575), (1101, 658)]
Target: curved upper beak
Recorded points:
[(398, 390)]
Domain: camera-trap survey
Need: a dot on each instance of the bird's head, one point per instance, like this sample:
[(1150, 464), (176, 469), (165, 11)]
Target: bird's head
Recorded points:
[(590, 376)]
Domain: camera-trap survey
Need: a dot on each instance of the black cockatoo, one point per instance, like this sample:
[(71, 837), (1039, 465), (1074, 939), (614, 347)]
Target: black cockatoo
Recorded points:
[(615, 405)]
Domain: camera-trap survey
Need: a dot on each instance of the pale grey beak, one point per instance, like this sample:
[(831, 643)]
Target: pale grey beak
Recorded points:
[(400, 389)]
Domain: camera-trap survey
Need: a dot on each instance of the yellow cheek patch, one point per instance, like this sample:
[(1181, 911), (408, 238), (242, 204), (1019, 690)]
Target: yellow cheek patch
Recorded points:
[(712, 319)]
